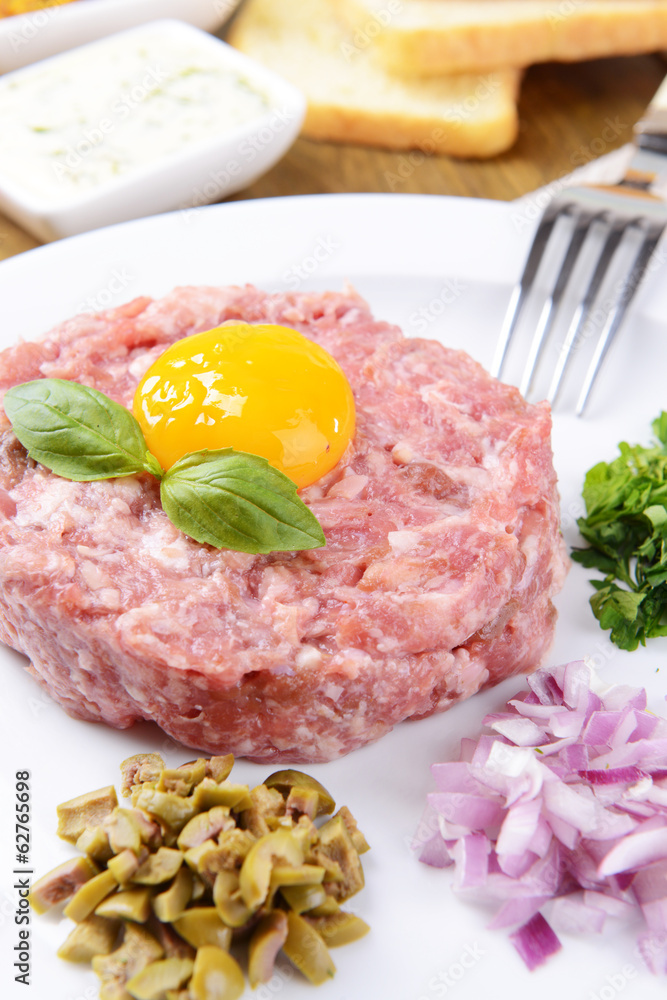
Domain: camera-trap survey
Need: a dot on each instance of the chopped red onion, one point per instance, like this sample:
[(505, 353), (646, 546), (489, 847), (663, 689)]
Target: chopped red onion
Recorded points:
[(516, 865), (454, 777), (428, 841), (471, 856), (434, 852), (520, 731), (574, 757), (572, 915), (620, 695), (646, 725), (567, 724), (609, 904), (611, 775), (653, 949), (535, 941), (517, 911), (600, 728), (519, 828), (473, 811), (637, 850), (564, 808), (650, 884)]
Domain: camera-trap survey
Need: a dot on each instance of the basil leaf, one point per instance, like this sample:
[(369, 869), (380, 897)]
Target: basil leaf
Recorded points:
[(77, 432), (234, 500)]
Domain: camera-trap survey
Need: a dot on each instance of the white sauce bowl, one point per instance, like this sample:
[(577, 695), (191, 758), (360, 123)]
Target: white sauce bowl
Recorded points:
[(156, 118)]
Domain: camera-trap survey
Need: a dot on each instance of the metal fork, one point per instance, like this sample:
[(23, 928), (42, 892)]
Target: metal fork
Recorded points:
[(631, 204)]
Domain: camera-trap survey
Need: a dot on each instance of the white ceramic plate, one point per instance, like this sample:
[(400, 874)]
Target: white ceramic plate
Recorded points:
[(441, 268), (27, 38)]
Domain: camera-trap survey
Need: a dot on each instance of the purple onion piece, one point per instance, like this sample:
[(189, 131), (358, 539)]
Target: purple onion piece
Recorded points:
[(535, 941)]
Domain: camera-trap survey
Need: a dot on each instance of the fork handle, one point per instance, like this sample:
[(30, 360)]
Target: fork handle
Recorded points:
[(651, 130), (647, 171)]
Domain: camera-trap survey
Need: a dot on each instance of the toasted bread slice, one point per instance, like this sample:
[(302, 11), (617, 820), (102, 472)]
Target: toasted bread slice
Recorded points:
[(420, 38), (352, 99)]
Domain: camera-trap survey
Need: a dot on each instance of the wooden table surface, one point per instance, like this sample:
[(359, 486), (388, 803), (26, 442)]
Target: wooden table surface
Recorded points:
[(569, 114)]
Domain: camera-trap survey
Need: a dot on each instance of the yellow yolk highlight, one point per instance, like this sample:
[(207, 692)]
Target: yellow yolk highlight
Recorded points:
[(263, 389)]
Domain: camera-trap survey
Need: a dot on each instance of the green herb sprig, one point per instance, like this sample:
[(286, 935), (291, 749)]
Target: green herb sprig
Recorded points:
[(626, 529), (225, 498)]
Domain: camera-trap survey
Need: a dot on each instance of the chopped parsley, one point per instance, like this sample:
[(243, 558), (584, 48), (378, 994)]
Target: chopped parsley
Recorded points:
[(626, 530)]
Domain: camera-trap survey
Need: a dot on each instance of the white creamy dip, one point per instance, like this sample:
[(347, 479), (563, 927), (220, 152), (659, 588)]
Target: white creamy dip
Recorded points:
[(81, 120)]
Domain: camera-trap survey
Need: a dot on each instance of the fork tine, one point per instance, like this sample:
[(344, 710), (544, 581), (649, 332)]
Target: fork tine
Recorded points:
[(525, 283), (583, 310), (582, 225), (631, 284)]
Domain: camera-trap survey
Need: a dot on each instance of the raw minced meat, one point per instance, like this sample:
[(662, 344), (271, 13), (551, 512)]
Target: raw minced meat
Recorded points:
[(443, 548)]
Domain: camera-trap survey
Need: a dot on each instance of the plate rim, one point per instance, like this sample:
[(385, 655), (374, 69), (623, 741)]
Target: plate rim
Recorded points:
[(491, 220)]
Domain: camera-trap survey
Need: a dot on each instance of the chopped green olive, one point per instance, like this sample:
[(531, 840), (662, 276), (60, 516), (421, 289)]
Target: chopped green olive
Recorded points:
[(265, 812), (139, 949), (303, 802), (76, 815), (327, 907), (171, 809), (339, 928), (234, 846), (336, 843), (61, 883), (205, 826), (94, 842), (305, 948), (267, 939), (299, 875), (286, 780), (169, 905), (220, 768), (216, 975), (182, 780), (128, 904), (93, 936), (228, 900), (194, 856), (165, 974), (159, 867), (173, 945), (199, 888), (90, 895), (210, 793), (361, 845), (123, 830), (255, 876), (124, 865), (301, 898), (140, 768), (201, 925)]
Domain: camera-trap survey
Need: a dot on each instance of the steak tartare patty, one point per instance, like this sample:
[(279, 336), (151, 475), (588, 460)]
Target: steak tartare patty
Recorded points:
[(443, 548)]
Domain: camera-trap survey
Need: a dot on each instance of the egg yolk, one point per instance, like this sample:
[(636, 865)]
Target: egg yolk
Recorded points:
[(263, 389)]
